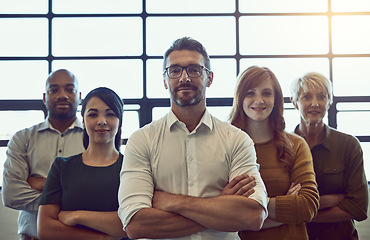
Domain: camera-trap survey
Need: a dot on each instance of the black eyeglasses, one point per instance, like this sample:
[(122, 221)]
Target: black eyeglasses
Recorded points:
[(192, 70)]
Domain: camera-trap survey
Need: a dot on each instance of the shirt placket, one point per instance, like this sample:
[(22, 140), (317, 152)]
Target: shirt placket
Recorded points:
[(192, 166), (60, 145)]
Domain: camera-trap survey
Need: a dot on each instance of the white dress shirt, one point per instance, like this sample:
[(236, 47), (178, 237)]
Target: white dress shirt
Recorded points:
[(164, 155), (32, 151)]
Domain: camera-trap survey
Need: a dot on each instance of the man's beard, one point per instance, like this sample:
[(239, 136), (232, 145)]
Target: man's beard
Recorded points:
[(61, 115), (184, 102)]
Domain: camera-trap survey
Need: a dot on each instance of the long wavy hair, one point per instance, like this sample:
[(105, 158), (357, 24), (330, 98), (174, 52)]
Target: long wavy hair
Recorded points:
[(114, 102), (249, 79)]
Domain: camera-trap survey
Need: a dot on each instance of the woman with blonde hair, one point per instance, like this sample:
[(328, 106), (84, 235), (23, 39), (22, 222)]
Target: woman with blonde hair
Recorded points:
[(285, 159), (338, 162)]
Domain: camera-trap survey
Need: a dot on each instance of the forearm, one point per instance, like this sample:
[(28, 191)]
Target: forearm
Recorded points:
[(330, 200), (270, 223), (106, 222), (53, 229), (334, 214), (157, 224), (223, 213), (20, 196)]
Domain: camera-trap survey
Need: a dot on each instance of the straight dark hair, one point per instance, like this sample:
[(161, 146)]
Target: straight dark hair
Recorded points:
[(114, 102)]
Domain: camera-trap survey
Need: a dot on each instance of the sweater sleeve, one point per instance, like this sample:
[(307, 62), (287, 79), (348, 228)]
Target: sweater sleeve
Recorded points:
[(293, 209)]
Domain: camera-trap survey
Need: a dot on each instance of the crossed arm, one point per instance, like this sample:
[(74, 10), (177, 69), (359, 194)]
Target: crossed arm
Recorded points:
[(174, 215), (55, 224), (270, 220), (329, 211)]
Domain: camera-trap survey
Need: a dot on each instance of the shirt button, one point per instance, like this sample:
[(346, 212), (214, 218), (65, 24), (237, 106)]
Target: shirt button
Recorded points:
[(62, 135), (60, 151)]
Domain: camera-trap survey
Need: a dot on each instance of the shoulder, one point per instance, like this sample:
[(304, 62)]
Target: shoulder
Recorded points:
[(298, 142), (295, 138), (149, 129), (69, 160), (230, 133), (225, 126), (341, 138), (27, 133)]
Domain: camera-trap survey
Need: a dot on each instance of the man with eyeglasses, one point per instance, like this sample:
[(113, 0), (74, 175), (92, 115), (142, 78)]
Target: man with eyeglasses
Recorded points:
[(32, 151), (190, 175)]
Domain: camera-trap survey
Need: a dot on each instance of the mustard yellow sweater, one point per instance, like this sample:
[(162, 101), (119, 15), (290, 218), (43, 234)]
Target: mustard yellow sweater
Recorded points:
[(292, 211)]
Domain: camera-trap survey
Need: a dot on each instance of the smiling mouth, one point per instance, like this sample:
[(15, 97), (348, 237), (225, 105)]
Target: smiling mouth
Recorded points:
[(102, 130), (258, 108), (314, 112)]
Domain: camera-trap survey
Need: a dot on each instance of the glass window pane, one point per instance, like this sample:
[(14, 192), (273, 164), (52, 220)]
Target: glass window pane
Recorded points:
[(351, 34), (118, 75), (282, 6), (366, 149), (348, 106), (221, 113), (349, 73), (23, 37), (23, 6), (349, 122), (350, 6), (162, 31), (284, 35), (190, 6), (23, 79), (130, 123), (292, 119), (288, 69), (154, 75), (97, 36), (159, 112), (224, 80), (97, 6), (17, 120)]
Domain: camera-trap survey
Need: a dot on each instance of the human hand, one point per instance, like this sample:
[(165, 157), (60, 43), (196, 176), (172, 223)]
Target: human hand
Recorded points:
[(68, 218), (330, 200), (240, 185), (294, 189), (36, 182)]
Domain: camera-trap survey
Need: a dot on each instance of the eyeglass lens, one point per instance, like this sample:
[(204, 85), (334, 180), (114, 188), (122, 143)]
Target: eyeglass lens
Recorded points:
[(192, 71)]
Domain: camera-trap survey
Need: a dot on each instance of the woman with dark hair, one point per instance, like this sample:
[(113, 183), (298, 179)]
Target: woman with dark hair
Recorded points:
[(285, 160), (79, 200)]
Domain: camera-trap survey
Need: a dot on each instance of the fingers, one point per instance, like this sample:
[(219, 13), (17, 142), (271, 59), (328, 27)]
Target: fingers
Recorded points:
[(240, 185), (246, 186), (294, 189)]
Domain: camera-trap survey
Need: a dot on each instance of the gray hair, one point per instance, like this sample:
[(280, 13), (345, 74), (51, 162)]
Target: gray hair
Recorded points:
[(312, 79)]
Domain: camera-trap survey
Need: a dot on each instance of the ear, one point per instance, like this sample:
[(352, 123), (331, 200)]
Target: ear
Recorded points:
[(294, 103), (83, 123), (165, 83), (79, 98), (210, 79), (44, 98)]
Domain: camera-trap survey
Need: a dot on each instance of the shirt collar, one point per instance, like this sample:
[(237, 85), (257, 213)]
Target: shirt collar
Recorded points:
[(47, 125), (205, 120), (325, 141)]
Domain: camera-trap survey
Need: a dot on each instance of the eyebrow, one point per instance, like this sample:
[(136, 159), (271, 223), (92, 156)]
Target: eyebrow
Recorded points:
[(67, 85), (96, 110)]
